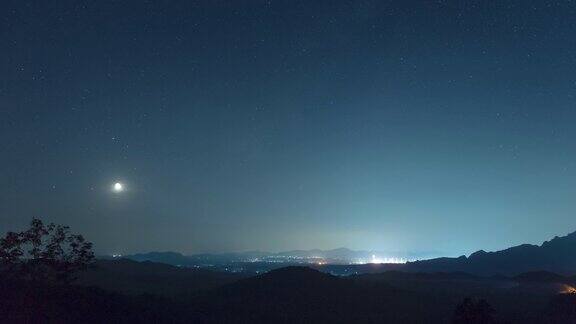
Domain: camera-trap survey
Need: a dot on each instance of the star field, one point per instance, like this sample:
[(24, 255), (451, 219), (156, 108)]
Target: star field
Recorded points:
[(236, 125)]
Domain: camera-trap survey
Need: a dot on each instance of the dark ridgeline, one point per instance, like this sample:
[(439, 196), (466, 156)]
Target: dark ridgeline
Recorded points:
[(557, 255), (48, 275)]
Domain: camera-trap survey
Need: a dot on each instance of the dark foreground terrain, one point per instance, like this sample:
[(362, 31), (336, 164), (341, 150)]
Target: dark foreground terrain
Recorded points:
[(129, 291)]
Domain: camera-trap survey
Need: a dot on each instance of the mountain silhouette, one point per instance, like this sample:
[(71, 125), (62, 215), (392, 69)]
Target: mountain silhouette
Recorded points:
[(557, 255), (133, 278)]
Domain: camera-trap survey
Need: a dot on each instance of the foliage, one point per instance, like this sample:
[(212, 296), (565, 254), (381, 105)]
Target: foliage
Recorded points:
[(47, 253)]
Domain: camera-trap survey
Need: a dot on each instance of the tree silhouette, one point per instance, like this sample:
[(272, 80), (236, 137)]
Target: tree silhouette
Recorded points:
[(470, 312), (47, 253)]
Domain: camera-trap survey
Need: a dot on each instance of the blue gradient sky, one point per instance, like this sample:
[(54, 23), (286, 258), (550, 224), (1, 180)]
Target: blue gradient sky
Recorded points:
[(444, 126)]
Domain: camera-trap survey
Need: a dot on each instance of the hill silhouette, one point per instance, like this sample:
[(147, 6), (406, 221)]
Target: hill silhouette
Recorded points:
[(304, 295), (557, 255), (287, 295), (133, 278)]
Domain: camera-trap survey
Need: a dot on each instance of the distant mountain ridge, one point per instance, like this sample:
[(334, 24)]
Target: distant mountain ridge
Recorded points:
[(557, 255), (342, 254)]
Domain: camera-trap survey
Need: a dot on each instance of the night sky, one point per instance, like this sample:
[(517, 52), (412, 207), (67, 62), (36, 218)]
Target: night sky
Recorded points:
[(424, 126)]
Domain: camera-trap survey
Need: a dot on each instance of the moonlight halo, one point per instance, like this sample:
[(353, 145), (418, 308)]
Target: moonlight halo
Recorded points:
[(117, 187)]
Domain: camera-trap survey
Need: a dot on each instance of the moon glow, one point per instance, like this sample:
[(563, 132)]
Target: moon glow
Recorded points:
[(118, 187)]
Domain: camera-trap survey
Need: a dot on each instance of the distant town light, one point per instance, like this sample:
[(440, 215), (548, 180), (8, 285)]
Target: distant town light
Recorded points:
[(566, 289), (378, 260)]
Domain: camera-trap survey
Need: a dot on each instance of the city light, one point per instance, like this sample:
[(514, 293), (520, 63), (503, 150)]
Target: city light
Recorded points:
[(379, 260)]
